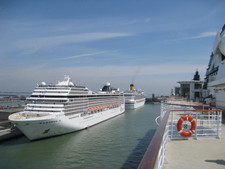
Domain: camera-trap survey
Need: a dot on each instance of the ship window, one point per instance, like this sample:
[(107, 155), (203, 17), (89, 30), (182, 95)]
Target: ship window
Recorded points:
[(198, 86), (222, 57), (106, 88)]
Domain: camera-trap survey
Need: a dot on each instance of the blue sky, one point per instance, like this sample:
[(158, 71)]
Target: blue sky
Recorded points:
[(152, 43)]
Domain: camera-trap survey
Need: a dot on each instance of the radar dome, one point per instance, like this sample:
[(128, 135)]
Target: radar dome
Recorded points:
[(43, 83)]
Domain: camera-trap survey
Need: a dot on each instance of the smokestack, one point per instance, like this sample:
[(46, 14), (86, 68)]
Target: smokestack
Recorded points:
[(132, 87)]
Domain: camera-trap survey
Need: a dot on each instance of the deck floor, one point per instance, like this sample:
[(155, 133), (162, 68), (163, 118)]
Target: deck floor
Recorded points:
[(204, 153)]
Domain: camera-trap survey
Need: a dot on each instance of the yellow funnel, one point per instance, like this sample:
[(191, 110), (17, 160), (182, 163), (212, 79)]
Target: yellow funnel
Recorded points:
[(131, 86)]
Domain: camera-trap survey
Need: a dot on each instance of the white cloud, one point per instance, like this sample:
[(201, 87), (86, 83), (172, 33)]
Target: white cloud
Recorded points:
[(206, 34), (33, 44), (147, 20), (82, 55), (152, 78), (201, 35)]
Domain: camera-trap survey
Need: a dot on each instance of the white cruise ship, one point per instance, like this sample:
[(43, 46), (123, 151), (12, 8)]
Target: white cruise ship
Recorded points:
[(63, 108), (134, 98), (215, 75)]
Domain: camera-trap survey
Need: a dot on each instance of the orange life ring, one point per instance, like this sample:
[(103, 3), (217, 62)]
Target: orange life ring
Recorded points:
[(191, 130)]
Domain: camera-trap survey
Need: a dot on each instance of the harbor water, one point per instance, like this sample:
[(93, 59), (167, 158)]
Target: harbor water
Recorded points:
[(119, 143)]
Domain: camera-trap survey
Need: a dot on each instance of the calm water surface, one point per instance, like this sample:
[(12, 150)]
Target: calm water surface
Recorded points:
[(119, 143)]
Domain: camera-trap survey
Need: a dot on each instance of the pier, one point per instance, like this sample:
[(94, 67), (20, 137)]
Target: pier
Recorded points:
[(6, 132), (203, 149)]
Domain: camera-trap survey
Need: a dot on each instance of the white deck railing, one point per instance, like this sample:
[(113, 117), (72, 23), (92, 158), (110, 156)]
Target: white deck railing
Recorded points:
[(208, 121), (161, 155), (208, 124)]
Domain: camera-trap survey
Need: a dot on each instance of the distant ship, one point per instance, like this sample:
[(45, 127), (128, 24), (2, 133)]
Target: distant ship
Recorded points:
[(134, 98), (215, 75), (64, 107)]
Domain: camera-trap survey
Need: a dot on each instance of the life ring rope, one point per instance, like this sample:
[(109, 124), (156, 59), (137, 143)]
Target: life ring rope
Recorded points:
[(180, 126)]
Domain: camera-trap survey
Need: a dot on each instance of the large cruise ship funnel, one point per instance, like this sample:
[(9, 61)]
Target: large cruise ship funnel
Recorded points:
[(132, 87)]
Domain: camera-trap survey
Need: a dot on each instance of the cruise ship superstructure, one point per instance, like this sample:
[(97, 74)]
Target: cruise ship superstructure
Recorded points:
[(134, 98), (63, 108), (215, 75)]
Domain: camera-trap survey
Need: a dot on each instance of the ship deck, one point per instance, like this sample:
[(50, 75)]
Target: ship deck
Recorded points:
[(204, 153), (199, 152), (204, 149)]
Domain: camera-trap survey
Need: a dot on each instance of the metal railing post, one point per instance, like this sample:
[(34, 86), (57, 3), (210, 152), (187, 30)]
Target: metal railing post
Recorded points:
[(171, 125), (218, 123), (196, 130)]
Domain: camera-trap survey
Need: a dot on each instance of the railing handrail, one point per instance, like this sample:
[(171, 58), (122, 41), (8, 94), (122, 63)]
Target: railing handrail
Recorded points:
[(187, 105), (198, 110), (150, 156)]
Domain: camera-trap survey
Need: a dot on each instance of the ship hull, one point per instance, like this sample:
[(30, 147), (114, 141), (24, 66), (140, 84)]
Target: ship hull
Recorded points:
[(59, 125), (134, 104)]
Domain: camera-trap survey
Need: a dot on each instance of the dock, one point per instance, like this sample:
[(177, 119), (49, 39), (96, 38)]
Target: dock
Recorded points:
[(203, 148), (6, 134), (6, 130)]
